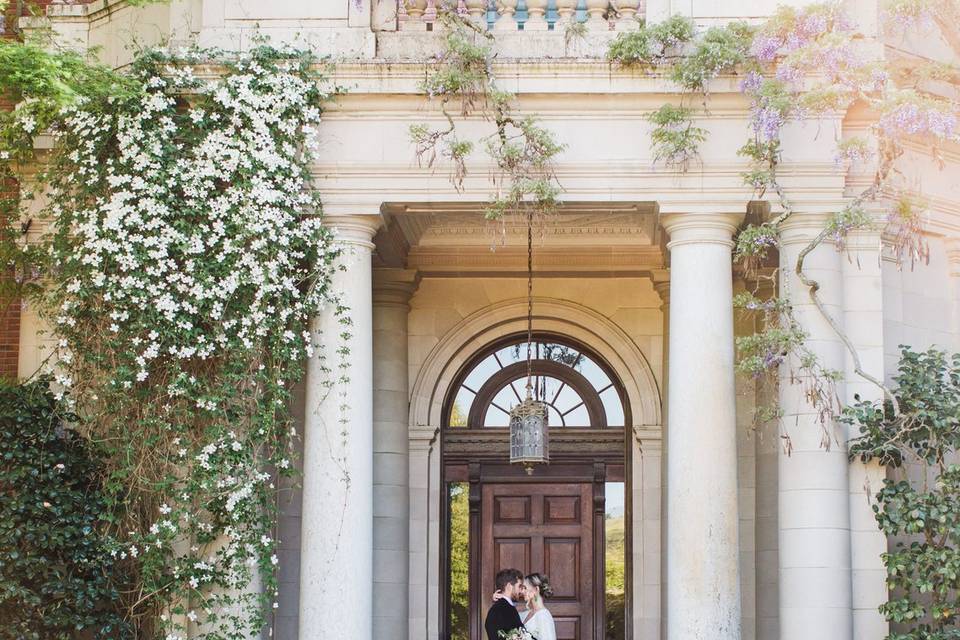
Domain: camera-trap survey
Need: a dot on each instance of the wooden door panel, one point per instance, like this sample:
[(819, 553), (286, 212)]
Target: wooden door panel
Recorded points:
[(511, 510), (561, 510), (567, 628), (511, 553), (562, 564), (545, 528)]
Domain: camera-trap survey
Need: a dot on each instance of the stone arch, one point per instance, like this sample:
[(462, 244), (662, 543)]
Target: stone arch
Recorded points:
[(563, 317)]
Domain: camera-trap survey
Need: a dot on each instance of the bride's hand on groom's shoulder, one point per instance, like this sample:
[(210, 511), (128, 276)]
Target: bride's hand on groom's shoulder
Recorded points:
[(497, 595)]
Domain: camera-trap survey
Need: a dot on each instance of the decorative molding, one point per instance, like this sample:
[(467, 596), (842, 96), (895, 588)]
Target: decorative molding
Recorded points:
[(565, 444)]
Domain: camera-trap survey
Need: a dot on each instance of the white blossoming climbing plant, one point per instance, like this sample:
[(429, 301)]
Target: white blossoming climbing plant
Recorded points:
[(187, 258)]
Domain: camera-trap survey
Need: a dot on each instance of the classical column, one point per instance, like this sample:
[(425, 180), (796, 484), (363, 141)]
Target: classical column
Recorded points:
[(336, 566), (392, 289), (813, 509), (703, 571), (863, 323)]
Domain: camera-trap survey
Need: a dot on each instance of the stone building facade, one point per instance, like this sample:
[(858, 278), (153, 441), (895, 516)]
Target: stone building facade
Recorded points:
[(725, 535)]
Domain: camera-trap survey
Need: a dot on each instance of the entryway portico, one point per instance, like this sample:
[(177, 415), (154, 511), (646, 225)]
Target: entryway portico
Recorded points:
[(437, 299)]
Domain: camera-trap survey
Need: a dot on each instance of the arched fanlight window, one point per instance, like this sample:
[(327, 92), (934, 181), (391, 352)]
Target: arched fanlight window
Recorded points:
[(578, 389)]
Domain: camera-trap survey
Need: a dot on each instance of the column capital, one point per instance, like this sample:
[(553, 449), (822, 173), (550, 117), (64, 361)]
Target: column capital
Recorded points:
[(701, 228), (803, 226), (354, 230), (394, 287)]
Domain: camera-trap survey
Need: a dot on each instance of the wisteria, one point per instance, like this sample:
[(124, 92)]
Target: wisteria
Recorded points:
[(188, 257), (910, 114)]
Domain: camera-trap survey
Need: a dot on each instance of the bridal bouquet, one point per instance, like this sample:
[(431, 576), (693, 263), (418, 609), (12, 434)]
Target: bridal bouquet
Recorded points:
[(516, 634)]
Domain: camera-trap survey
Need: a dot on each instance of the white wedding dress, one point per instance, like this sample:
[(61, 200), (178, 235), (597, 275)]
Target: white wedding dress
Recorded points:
[(541, 626)]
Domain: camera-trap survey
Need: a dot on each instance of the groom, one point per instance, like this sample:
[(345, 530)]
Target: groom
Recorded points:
[(503, 614)]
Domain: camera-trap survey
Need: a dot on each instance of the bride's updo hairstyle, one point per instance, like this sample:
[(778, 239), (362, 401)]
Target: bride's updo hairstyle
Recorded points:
[(540, 582)]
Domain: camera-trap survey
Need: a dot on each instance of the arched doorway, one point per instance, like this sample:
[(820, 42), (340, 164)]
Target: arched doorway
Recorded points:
[(568, 520)]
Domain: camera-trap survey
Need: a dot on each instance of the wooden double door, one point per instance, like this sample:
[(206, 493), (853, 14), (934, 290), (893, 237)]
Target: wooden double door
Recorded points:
[(550, 529)]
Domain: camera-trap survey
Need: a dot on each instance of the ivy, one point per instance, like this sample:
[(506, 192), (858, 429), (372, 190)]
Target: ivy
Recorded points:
[(923, 571), (57, 576)]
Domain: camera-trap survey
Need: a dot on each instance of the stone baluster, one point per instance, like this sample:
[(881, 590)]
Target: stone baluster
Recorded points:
[(430, 15), (536, 16), (507, 21), (626, 15), (566, 13), (477, 10), (415, 9), (596, 19)]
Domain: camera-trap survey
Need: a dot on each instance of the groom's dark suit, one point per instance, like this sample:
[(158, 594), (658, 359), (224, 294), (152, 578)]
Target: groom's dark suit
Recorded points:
[(501, 617)]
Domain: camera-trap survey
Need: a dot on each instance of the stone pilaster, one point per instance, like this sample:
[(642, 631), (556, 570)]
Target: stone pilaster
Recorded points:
[(703, 572), (336, 567), (952, 246), (392, 289), (661, 284)]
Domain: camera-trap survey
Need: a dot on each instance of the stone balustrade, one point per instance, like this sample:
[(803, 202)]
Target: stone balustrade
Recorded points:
[(504, 16)]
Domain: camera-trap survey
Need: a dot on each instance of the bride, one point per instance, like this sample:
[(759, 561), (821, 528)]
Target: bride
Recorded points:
[(536, 618)]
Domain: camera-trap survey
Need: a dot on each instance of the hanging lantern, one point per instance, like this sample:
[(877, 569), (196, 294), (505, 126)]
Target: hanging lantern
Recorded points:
[(529, 436), (529, 439)]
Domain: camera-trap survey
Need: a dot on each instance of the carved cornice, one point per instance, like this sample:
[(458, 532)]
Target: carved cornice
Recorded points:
[(633, 261)]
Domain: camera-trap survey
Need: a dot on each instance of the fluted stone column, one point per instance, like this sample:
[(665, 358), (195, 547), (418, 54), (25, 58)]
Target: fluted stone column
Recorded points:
[(336, 566), (392, 289), (703, 571), (813, 513), (863, 324)]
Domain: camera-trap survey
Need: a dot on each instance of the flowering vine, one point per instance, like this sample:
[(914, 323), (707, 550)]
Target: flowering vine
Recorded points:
[(521, 150), (184, 260)]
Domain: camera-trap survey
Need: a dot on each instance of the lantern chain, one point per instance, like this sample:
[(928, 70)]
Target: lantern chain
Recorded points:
[(529, 303)]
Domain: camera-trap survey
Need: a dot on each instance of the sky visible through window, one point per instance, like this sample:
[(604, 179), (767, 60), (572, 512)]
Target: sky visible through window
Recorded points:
[(565, 405)]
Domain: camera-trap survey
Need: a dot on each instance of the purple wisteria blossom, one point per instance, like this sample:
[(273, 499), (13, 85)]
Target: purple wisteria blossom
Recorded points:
[(766, 122), (852, 154), (765, 47), (910, 118), (751, 82)]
